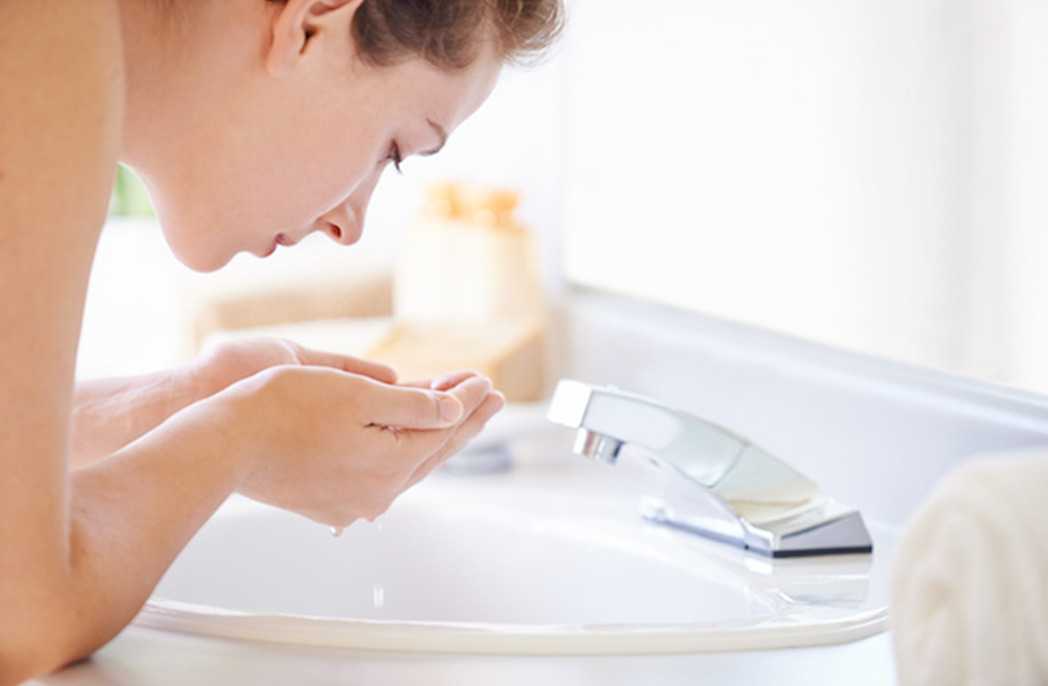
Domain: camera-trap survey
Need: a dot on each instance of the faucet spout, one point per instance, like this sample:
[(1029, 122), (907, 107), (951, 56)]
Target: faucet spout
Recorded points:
[(729, 488), (597, 446)]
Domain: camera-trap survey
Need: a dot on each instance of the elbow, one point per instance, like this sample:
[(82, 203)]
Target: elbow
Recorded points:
[(21, 662), (40, 644), (22, 659)]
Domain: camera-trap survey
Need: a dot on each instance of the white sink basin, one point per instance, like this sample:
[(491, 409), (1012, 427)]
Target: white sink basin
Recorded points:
[(550, 558)]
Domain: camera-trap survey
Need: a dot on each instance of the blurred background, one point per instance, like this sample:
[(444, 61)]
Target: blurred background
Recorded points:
[(869, 175)]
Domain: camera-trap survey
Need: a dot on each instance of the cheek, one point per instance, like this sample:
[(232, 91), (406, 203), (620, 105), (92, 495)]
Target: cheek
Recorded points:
[(238, 203), (319, 180)]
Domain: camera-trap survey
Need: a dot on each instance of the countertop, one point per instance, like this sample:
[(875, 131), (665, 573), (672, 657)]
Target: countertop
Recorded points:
[(144, 657)]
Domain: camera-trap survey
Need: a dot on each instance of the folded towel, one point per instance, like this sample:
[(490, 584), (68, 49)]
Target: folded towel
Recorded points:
[(969, 601)]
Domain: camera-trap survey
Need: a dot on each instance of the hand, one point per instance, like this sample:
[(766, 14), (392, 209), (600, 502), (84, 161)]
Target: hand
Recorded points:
[(337, 446), (227, 362), (466, 431)]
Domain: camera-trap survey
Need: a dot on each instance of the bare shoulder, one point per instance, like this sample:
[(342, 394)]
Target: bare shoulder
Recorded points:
[(61, 115), (61, 94)]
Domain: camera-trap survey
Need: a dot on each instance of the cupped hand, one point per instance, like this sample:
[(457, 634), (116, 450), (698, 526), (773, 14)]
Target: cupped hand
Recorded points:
[(227, 362), (337, 446), (466, 431)]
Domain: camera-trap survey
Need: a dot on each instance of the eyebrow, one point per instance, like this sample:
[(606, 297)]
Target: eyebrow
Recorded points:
[(443, 138)]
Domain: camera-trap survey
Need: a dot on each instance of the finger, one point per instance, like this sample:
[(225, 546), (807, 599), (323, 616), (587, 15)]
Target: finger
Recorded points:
[(416, 446), (416, 408), (469, 430), (454, 379), (442, 383), (466, 432), (348, 363)]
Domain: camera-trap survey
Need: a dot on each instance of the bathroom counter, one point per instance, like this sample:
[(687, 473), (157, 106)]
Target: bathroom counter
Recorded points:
[(144, 657), (147, 657), (877, 434)]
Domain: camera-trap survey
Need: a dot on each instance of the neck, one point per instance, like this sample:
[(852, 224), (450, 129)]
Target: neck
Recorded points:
[(151, 40)]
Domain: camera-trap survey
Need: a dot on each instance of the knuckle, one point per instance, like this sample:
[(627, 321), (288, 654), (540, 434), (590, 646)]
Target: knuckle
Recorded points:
[(434, 407), (275, 382), (278, 375), (291, 346)]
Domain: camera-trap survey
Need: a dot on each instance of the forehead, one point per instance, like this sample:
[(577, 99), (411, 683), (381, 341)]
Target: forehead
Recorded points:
[(451, 96)]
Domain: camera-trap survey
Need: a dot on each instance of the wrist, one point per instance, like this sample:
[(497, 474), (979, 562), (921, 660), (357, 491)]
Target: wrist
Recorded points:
[(109, 413), (216, 426)]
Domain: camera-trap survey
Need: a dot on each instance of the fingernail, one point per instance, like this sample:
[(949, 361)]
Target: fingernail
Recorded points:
[(450, 409)]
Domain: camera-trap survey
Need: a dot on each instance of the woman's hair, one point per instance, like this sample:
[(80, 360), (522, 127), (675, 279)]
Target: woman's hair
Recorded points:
[(448, 33)]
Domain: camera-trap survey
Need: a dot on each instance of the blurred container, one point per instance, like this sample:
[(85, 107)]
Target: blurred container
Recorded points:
[(468, 259), (468, 293), (510, 352)]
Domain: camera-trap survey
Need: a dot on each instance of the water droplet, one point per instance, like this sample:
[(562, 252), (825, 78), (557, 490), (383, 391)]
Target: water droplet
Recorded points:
[(336, 531), (378, 594)]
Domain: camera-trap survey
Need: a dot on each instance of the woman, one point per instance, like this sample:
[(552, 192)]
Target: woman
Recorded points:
[(253, 123)]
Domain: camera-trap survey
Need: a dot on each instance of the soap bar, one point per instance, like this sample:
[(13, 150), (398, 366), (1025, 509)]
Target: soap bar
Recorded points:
[(511, 352)]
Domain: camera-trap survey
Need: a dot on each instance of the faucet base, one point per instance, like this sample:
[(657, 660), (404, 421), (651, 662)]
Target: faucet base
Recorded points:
[(828, 528)]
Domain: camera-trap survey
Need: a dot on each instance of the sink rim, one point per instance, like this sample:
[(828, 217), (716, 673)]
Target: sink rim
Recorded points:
[(491, 638), (786, 630)]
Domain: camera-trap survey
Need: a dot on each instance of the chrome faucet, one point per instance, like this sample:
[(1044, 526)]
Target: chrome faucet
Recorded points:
[(730, 490)]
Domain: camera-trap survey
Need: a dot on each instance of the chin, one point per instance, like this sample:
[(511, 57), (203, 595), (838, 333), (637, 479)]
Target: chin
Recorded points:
[(203, 265), (196, 255)]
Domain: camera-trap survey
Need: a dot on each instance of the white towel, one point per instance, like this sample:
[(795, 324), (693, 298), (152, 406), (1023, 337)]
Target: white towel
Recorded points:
[(970, 585)]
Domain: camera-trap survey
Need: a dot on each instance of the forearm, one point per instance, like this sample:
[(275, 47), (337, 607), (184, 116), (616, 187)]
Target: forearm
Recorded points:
[(130, 515), (108, 414)]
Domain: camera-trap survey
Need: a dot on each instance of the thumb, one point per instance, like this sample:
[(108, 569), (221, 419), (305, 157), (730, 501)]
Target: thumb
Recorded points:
[(412, 408)]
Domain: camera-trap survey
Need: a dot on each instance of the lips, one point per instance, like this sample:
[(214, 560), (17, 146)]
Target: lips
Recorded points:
[(283, 239)]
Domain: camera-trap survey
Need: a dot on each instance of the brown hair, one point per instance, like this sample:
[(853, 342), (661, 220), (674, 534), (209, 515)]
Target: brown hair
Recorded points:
[(448, 33)]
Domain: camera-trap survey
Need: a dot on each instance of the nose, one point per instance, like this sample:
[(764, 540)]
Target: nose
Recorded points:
[(341, 225), (345, 223)]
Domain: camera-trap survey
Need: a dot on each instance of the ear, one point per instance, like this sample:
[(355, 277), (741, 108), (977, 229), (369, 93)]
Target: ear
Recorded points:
[(296, 25)]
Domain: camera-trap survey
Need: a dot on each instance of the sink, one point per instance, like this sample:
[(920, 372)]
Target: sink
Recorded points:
[(549, 557)]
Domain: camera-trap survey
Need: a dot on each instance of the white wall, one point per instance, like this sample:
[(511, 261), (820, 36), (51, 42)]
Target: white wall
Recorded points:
[(1022, 195), (797, 166), (867, 173)]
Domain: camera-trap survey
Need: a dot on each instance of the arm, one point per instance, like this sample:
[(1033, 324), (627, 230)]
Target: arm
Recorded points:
[(107, 414), (110, 413), (78, 555)]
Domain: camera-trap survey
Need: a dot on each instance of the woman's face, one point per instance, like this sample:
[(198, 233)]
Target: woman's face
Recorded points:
[(268, 124)]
